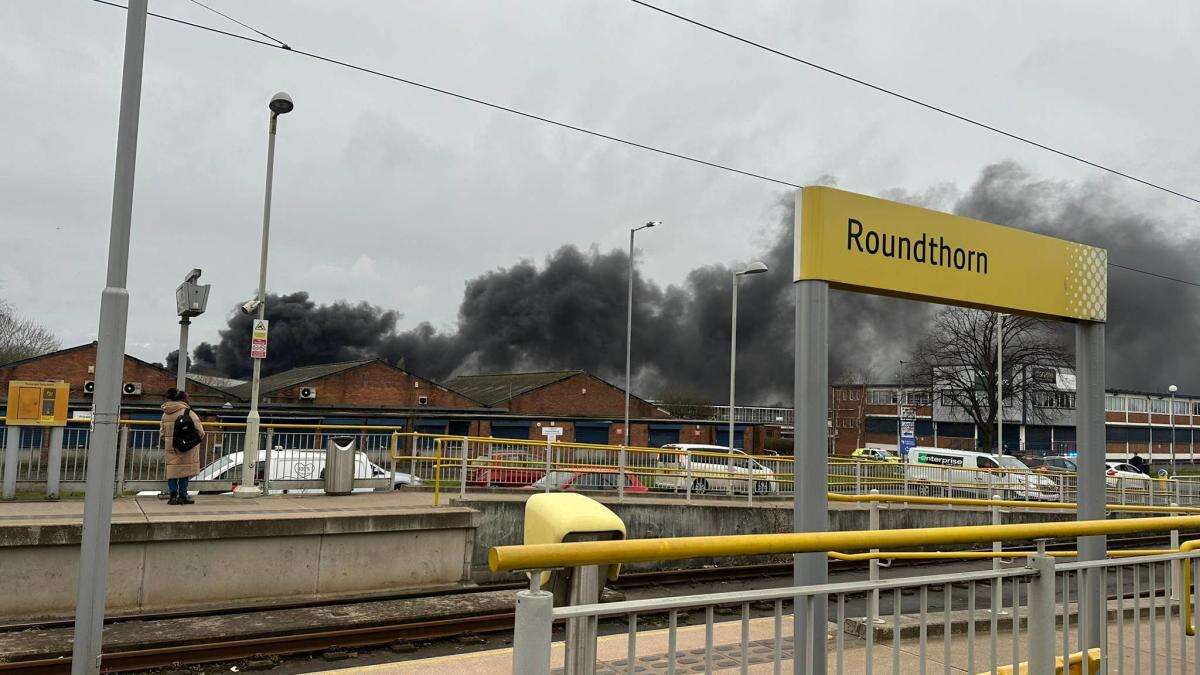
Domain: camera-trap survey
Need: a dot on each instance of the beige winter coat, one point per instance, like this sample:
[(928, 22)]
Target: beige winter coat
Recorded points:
[(179, 464)]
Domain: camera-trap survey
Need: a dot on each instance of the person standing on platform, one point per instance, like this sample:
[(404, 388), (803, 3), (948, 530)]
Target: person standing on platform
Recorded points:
[(181, 433)]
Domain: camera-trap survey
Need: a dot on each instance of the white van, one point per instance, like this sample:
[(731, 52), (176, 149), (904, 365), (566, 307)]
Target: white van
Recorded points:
[(291, 465), (942, 472), (709, 469)]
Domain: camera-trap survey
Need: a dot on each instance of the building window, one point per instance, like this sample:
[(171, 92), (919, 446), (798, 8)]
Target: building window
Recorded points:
[(1135, 404), (1182, 407), (881, 397), (847, 423), (1160, 405), (919, 398), (1054, 399), (1114, 403)]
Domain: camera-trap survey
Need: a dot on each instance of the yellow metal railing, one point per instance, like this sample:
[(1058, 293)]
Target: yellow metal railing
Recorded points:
[(549, 556)]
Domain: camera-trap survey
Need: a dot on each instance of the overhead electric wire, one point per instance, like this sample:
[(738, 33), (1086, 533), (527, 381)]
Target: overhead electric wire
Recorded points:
[(529, 115), (247, 27), (916, 101)]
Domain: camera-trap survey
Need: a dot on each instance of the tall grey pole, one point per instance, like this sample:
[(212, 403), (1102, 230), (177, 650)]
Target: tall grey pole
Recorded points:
[(628, 340), (810, 508), (246, 487), (1089, 367), (733, 358), (1172, 431), (900, 416), (110, 356), (181, 367), (999, 384)]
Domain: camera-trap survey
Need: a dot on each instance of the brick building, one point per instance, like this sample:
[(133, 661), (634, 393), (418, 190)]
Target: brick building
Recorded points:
[(145, 384), (368, 383), (371, 391)]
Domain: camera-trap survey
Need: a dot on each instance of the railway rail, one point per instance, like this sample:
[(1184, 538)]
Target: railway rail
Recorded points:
[(324, 638)]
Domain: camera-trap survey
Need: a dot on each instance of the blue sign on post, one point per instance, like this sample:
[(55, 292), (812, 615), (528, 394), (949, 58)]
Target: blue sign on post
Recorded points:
[(908, 431)]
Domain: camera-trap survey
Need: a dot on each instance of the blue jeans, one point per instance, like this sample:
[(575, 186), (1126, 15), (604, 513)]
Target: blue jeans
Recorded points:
[(178, 486)]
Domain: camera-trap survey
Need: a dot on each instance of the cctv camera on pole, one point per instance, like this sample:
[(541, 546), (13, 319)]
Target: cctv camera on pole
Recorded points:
[(191, 299)]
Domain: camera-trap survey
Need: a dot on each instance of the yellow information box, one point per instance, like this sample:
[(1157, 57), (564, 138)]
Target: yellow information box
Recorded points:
[(37, 404), (877, 246)]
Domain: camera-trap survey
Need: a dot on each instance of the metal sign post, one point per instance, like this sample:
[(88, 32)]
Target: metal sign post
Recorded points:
[(551, 434), (864, 244)]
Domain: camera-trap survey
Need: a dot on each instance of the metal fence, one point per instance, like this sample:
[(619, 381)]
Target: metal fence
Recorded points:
[(1119, 615), (975, 622), (462, 464), (291, 457)]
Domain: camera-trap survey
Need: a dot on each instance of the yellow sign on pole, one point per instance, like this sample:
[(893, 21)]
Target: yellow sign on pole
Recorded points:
[(37, 404), (877, 246)]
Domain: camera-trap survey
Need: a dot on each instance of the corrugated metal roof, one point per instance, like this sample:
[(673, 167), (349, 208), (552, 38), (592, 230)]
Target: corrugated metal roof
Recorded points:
[(216, 381), (497, 388), (295, 376)]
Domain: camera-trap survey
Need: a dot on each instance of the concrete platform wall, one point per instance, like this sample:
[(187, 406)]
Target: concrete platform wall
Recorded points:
[(501, 521), (193, 564)]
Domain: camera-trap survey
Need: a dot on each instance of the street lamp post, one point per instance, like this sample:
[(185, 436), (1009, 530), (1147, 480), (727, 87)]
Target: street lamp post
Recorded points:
[(1172, 389), (280, 104), (754, 268), (629, 342)]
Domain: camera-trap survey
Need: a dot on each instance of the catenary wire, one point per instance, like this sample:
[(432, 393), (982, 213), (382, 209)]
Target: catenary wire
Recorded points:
[(246, 26), (522, 113), (924, 104)]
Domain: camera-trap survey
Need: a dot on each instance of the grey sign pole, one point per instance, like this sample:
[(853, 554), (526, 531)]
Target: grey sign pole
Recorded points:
[(181, 366), (1090, 439), (810, 506), (110, 356)]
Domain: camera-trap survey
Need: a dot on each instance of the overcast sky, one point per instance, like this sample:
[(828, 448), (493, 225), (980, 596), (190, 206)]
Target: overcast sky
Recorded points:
[(397, 196)]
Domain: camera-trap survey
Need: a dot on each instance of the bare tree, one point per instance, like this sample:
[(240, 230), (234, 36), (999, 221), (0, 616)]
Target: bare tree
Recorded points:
[(22, 338), (959, 356)]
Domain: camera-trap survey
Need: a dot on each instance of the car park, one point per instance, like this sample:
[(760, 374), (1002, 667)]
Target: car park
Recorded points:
[(710, 468)]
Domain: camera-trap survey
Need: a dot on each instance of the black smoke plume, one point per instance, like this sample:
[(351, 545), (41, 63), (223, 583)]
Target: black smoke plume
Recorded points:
[(570, 311)]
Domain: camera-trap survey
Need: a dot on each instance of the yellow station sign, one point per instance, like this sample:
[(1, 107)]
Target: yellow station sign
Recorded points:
[(37, 404), (878, 246)]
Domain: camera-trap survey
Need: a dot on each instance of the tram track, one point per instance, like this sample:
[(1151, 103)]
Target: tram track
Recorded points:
[(325, 638)]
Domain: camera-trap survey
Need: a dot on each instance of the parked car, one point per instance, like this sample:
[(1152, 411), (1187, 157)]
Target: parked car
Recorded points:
[(943, 472), (875, 455), (710, 469), (506, 469), (1123, 472), (291, 465), (597, 480), (1056, 464)]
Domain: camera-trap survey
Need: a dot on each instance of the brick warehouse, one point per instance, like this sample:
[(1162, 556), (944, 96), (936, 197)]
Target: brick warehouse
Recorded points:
[(371, 391)]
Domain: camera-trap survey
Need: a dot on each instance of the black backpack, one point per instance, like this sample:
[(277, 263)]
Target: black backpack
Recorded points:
[(186, 436)]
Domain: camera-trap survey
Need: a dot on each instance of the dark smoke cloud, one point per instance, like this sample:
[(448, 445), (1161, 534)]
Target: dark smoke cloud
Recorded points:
[(301, 334), (569, 312)]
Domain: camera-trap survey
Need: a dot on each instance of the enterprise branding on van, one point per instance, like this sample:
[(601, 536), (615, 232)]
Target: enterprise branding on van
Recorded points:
[(939, 460)]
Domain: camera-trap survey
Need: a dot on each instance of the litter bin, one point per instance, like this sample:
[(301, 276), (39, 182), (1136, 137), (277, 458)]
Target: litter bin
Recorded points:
[(339, 465)]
